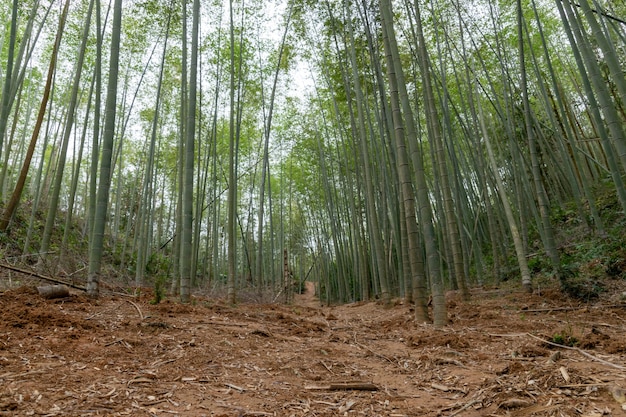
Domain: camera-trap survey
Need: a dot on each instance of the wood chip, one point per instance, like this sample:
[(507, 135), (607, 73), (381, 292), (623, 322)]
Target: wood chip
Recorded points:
[(555, 357), (139, 380), (448, 361), (514, 403), (235, 387), (440, 387), (347, 406)]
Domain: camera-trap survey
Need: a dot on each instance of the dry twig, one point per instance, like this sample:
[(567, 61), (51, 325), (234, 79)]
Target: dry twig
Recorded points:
[(138, 309)]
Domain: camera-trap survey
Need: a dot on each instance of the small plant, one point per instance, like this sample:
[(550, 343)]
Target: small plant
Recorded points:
[(159, 290), (535, 265), (564, 338)]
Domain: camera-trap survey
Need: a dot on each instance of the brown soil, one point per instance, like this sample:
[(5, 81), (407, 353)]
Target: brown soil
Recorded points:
[(124, 356)]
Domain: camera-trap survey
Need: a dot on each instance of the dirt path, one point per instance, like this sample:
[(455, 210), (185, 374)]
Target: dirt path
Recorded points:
[(308, 297), (118, 357)]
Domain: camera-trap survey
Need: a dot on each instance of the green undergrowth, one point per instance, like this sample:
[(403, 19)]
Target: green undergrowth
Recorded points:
[(589, 260)]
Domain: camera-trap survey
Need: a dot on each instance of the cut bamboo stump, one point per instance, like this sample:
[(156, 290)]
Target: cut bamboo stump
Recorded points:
[(54, 291)]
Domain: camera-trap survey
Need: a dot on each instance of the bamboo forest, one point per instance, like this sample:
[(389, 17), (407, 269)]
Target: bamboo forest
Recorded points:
[(379, 149), (313, 208)]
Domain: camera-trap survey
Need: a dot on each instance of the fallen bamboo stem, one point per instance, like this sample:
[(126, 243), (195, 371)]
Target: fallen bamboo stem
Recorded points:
[(54, 291), (344, 386), (42, 277)]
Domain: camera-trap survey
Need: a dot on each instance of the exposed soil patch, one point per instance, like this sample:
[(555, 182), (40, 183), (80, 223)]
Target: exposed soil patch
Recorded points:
[(123, 356)]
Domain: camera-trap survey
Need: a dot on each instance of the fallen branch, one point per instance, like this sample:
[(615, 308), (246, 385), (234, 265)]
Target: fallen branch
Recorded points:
[(582, 352), (42, 277)]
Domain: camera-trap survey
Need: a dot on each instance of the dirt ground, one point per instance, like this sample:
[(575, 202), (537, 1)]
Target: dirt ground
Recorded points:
[(120, 356)]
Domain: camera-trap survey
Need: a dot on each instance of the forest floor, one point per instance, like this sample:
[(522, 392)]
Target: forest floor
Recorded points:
[(124, 356)]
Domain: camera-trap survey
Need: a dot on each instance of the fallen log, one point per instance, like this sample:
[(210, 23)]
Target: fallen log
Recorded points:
[(54, 291)]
